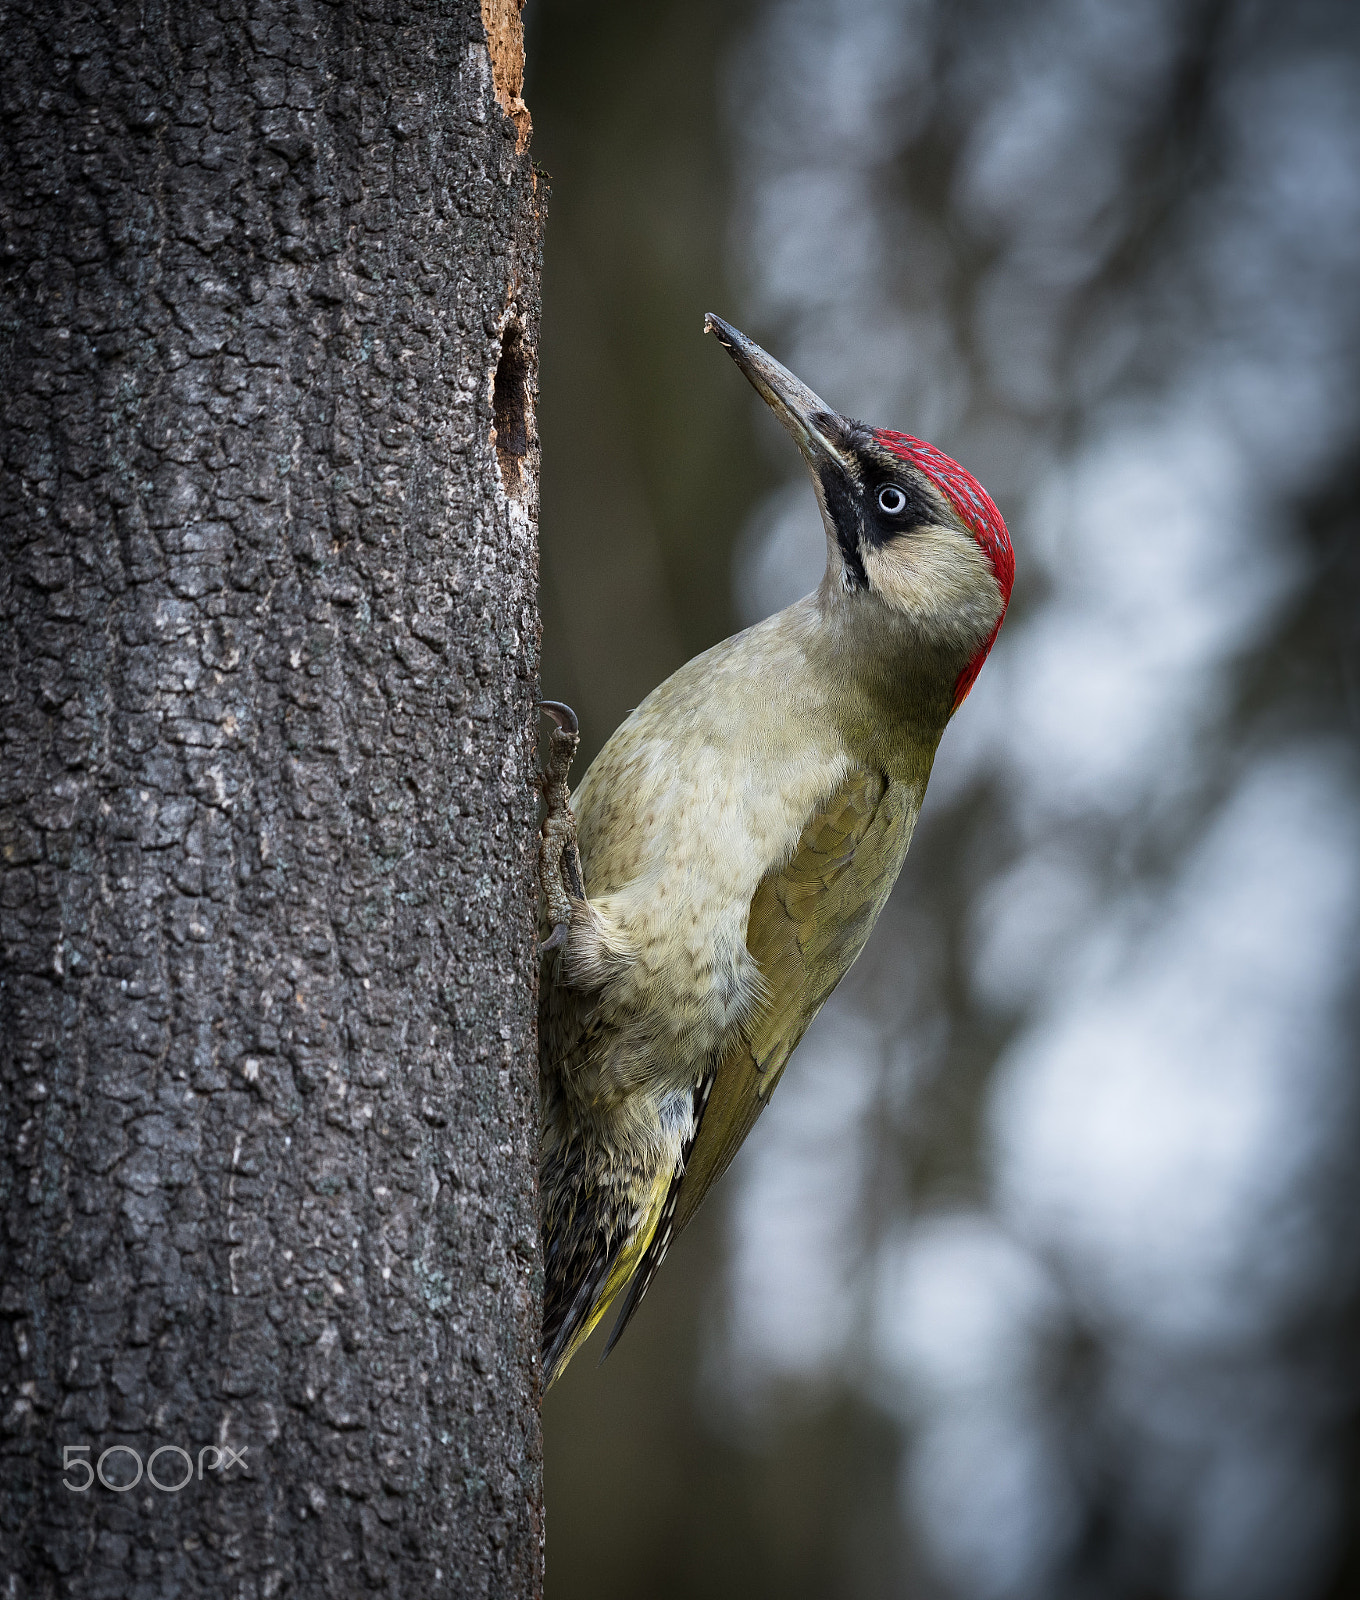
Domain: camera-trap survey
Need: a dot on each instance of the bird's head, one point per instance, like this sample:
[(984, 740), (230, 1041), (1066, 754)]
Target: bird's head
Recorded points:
[(907, 528)]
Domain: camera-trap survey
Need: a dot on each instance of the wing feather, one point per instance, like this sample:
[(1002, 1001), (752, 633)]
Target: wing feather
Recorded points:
[(808, 922)]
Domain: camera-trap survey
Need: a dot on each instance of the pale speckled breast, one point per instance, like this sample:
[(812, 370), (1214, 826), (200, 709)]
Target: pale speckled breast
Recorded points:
[(686, 810)]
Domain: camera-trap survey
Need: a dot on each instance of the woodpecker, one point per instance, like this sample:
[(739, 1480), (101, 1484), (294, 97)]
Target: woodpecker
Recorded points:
[(726, 856)]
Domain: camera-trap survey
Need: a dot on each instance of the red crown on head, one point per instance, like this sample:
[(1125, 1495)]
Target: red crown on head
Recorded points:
[(979, 515)]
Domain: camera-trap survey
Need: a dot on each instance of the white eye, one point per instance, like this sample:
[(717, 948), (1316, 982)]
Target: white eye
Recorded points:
[(891, 501)]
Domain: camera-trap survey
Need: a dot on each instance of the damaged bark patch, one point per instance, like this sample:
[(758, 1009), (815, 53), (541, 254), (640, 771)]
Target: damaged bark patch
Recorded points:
[(510, 406), (505, 45)]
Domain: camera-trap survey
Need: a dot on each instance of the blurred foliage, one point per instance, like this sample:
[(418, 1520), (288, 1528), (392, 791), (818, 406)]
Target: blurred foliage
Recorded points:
[(648, 464), (655, 457)]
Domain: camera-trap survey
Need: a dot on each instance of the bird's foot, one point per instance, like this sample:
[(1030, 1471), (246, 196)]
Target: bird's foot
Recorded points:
[(559, 861)]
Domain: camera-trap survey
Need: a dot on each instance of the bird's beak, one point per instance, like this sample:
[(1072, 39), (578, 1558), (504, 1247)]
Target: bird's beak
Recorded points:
[(807, 417)]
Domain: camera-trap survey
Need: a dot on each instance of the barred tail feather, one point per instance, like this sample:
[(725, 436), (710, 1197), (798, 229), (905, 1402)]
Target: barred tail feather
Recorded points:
[(589, 1261)]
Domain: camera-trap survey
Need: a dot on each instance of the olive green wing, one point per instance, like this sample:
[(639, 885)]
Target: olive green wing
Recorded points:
[(808, 922)]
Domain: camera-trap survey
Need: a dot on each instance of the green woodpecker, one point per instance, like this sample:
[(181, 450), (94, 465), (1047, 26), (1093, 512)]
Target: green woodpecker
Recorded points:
[(729, 850)]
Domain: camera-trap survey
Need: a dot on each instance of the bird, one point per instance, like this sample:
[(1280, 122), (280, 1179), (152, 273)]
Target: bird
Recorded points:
[(724, 859)]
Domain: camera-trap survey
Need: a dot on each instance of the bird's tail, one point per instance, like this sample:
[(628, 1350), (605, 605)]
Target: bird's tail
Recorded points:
[(596, 1233)]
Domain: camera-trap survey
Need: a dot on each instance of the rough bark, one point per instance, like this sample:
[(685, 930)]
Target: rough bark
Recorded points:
[(266, 696)]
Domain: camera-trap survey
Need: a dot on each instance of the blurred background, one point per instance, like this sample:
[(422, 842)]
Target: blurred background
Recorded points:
[(1041, 1276)]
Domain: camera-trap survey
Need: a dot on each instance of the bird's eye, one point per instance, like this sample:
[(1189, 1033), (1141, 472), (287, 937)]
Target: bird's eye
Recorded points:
[(891, 500)]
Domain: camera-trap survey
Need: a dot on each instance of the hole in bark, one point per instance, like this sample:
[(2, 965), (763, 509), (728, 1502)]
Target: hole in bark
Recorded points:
[(510, 404)]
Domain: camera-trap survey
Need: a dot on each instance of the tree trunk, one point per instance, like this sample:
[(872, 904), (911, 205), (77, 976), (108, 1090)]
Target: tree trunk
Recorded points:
[(267, 684)]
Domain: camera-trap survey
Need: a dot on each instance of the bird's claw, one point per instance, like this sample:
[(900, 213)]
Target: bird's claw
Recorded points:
[(563, 716), (559, 861)]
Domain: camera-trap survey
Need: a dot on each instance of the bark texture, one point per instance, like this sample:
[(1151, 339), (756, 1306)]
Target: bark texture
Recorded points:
[(267, 677)]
